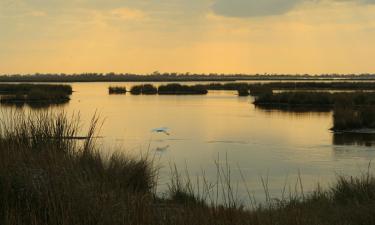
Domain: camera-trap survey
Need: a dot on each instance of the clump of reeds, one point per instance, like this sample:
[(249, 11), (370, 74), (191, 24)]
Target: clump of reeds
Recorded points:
[(26, 88), (50, 173), (33, 94), (116, 90), (145, 89), (149, 89), (178, 89), (296, 98), (313, 98), (318, 85), (352, 118)]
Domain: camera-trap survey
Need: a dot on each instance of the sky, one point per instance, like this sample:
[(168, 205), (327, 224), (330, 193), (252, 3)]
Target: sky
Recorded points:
[(197, 36)]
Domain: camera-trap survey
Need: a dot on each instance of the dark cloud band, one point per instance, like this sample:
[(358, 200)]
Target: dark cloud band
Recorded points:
[(258, 8)]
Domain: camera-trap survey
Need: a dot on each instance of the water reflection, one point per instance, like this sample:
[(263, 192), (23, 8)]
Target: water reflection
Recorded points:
[(162, 148), (293, 109), (358, 139), (34, 105)]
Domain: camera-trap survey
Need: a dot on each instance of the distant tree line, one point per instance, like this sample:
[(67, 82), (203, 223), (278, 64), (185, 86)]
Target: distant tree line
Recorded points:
[(156, 76)]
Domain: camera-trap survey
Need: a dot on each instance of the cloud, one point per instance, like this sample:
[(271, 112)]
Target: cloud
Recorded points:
[(259, 8), (253, 8)]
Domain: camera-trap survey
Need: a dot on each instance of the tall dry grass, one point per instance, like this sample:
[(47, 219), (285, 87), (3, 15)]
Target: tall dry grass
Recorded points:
[(49, 176)]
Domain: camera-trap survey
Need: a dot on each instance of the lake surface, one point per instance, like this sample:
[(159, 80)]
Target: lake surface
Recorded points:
[(225, 128)]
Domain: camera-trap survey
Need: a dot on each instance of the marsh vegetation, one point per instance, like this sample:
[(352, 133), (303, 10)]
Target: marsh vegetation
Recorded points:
[(346, 118), (34, 94), (168, 89), (316, 85), (314, 98), (179, 89), (145, 89), (116, 90), (352, 111)]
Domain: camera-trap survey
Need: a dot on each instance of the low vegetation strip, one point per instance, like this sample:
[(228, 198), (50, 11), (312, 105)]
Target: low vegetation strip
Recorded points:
[(34, 93), (255, 89), (27, 88), (145, 89), (168, 89), (349, 85), (316, 99), (48, 179), (116, 90), (178, 89), (353, 112)]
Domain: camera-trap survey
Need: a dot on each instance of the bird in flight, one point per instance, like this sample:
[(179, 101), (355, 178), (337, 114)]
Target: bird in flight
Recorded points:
[(161, 130)]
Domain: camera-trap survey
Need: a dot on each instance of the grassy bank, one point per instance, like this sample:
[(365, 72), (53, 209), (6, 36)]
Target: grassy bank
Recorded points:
[(34, 94), (48, 177)]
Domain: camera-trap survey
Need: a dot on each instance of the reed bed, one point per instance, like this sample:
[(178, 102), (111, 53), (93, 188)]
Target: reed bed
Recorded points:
[(27, 88), (349, 85), (178, 89), (144, 89), (312, 98), (262, 88), (34, 94), (116, 90), (49, 177), (353, 118), (168, 89)]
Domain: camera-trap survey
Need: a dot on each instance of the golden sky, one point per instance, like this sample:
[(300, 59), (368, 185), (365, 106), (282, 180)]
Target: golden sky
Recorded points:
[(204, 36)]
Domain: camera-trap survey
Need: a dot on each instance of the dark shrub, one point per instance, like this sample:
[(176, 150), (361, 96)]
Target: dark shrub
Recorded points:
[(178, 89), (117, 90)]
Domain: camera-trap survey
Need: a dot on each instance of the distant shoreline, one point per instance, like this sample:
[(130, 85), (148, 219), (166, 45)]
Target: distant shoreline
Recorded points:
[(98, 77)]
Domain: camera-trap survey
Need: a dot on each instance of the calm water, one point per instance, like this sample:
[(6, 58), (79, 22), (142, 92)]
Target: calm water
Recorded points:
[(221, 125)]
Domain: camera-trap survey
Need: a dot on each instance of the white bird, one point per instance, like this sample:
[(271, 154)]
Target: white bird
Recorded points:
[(161, 130)]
